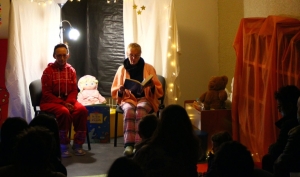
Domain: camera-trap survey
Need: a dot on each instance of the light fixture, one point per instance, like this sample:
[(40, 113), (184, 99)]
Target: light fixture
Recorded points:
[(108, 1), (60, 3), (74, 33), (44, 2)]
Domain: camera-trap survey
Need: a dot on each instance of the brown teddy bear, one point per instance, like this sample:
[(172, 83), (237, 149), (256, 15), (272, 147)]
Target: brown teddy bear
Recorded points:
[(216, 95)]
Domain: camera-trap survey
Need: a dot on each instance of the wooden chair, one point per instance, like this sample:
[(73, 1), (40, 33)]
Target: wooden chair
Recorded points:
[(35, 89), (120, 111)]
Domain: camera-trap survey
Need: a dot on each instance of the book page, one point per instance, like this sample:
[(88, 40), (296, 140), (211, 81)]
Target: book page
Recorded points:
[(147, 80), (133, 85)]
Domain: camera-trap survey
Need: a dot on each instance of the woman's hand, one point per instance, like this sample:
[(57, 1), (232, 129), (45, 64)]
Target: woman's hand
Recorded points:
[(121, 89), (149, 84), (69, 106)]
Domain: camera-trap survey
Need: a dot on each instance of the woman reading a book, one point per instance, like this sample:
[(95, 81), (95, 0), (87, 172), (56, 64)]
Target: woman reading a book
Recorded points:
[(135, 103)]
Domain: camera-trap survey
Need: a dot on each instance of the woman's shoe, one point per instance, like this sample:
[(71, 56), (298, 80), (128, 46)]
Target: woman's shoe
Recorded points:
[(64, 149), (78, 150), (128, 151)]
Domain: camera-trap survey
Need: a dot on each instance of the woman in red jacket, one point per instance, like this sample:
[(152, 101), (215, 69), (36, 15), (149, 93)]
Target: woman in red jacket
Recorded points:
[(59, 97)]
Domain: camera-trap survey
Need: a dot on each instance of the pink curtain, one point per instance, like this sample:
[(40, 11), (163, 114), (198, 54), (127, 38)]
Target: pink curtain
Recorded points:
[(267, 57)]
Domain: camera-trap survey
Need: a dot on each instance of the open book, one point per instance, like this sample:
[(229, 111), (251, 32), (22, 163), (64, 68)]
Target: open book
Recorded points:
[(135, 86)]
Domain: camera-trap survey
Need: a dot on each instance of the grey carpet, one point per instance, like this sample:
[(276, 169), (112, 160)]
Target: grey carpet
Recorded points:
[(96, 162)]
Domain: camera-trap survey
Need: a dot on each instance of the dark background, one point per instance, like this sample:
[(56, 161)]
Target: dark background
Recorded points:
[(99, 51)]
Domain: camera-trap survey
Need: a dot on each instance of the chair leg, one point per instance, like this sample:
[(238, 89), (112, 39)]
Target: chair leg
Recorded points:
[(116, 129), (88, 137), (70, 132)]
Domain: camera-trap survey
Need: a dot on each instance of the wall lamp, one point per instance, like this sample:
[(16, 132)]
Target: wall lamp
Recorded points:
[(73, 33)]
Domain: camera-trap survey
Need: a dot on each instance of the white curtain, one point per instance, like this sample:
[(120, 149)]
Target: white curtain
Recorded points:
[(34, 31), (152, 24)]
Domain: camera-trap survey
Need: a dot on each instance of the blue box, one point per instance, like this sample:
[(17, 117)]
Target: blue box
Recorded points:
[(98, 122)]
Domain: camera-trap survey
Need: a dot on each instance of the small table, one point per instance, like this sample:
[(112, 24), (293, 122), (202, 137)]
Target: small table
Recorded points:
[(210, 121)]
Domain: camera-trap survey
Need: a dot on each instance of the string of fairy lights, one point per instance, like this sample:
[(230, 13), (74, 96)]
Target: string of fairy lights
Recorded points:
[(46, 2), (173, 89), (173, 62)]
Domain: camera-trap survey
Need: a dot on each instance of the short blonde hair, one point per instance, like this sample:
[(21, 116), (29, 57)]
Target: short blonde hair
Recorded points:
[(134, 46)]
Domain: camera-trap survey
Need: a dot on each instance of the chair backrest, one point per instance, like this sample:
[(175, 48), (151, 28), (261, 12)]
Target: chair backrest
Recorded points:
[(163, 83), (35, 89)]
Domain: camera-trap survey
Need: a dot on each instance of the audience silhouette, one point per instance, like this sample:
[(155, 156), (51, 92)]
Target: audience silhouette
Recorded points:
[(125, 167), (169, 147), (50, 123), (147, 126), (11, 127), (233, 159), (217, 140), (287, 97), (33, 155), (174, 149), (289, 160)]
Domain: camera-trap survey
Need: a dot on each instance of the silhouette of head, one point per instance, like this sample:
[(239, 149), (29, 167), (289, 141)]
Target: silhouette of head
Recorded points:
[(287, 97), (50, 123), (175, 123), (34, 148), (147, 126), (218, 139), (234, 159), (126, 167), (175, 133), (11, 127)]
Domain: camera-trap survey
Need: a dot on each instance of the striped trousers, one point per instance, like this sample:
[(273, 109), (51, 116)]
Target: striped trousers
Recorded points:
[(132, 116)]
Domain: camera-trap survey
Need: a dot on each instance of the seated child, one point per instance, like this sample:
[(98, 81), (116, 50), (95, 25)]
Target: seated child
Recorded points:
[(147, 126), (217, 140)]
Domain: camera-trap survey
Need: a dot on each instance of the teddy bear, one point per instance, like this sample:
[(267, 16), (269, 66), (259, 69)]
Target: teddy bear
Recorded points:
[(89, 93), (216, 95)]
